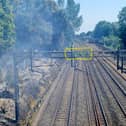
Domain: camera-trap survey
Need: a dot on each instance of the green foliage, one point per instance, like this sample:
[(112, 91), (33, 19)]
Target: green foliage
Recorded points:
[(71, 20), (34, 22), (115, 26), (122, 25), (108, 34), (102, 29), (47, 23), (61, 3), (111, 41), (71, 12), (65, 22), (7, 27)]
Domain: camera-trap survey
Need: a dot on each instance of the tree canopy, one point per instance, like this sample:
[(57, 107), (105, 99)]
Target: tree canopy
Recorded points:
[(7, 27), (122, 26), (107, 33), (38, 23), (47, 23), (112, 34), (102, 29)]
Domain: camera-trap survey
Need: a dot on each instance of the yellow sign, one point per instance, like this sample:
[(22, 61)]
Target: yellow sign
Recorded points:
[(85, 53)]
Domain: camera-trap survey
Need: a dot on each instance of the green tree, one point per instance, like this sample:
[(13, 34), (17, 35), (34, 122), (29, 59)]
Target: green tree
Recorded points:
[(65, 23), (122, 26), (37, 21), (34, 22), (115, 26), (61, 3), (111, 41), (102, 29), (107, 33), (7, 27), (72, 12)]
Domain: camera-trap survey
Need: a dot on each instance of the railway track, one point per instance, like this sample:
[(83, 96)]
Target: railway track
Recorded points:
[(68, 104), (51, 100), (117, 77), (91, 94), (87, 95), (72, 117), (60, 115), (112, 95), (98, 110), (110, 63), (57, 110), (117, 93), (118, 81), (84, 111)]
